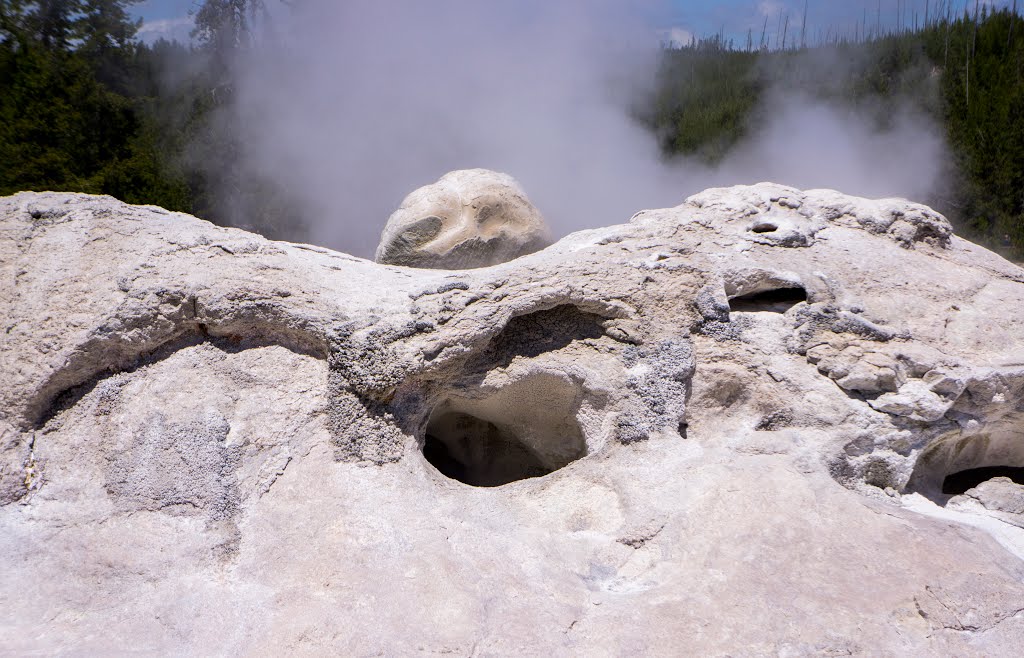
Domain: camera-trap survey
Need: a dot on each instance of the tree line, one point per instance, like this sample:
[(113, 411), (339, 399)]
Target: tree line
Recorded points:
[(964, 70), (85, 106)]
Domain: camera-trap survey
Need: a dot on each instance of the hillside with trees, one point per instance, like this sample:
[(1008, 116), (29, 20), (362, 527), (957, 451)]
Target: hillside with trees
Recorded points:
[(85, 106), (967, 72)]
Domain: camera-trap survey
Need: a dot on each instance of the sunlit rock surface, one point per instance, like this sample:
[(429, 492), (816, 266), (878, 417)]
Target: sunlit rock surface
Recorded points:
[(724, 428), (469, 218)]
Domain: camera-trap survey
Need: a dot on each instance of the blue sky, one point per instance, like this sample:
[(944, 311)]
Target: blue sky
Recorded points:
[(165, 18), (676, 18)]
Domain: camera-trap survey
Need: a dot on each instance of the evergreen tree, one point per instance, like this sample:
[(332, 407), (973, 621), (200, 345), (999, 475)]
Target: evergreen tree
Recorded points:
[(52, 22), (63, 124), (222, 27), (107, 35)]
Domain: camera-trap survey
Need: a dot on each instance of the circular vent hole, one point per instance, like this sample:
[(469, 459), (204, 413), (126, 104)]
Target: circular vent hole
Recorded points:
[(764, 227), (478, 452), (524, 430)]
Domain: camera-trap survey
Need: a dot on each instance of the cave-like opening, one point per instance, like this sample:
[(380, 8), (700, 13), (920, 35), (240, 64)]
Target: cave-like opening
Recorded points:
[(778, 300), (957, 483), (523, 430), (478, 452), (954, 465)]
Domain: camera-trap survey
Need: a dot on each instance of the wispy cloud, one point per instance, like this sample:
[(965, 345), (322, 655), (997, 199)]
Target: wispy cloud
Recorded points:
[(167, 28), (769, 7), (677, 37)]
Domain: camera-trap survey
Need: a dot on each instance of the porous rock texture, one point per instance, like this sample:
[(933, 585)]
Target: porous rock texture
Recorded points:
[(469, 218), (722, 428)]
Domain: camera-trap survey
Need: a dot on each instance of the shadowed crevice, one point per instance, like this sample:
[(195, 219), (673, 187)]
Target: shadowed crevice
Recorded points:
[(779, 300), (959, 482)]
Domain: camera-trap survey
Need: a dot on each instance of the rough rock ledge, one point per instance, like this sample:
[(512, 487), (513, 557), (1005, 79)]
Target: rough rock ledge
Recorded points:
[(731, 427)]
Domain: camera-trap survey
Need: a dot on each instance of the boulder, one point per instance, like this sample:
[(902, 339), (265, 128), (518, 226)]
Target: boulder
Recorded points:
[(467, 219)]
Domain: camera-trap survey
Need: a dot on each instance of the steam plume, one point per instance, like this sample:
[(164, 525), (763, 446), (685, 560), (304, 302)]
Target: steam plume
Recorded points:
[(355, 104)]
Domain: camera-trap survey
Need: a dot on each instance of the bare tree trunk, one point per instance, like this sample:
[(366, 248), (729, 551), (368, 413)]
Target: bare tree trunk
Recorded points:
[(974, 37), (970, 53), (967, 94), (1013, 19), (803, 28), (949, 23)]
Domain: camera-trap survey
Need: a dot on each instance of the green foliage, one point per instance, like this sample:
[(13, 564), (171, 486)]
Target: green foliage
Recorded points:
[(704, 97), (65, 120), (59, 128), (967, 75), (983, 93)]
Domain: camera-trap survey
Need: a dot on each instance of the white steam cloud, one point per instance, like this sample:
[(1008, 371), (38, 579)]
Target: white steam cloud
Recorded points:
[(353, 105)]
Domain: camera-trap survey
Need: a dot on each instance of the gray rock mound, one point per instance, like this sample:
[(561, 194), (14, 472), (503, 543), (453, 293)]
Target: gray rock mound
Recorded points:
[(765, 422), (469, 218)]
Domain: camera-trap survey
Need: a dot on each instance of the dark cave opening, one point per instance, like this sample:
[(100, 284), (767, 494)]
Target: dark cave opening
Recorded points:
[(951, 466), (764, 227), (957, 483), (478, 452), (778, 300)]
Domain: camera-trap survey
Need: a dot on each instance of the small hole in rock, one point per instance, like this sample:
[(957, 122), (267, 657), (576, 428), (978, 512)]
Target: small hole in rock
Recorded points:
[(952, 466), (487, 437), (482, 453), (764, 227), (682, 429), (478, 452), (779, 300), (958, 483)]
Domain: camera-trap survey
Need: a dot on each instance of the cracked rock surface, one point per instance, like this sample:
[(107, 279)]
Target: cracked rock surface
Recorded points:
[(729, 427)]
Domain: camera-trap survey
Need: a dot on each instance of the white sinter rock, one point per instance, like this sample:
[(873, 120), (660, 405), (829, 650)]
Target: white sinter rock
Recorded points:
[(721, 428), (469, 218)]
